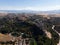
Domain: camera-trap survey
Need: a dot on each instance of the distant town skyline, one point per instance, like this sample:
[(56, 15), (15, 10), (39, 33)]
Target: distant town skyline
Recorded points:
[(36, 5)]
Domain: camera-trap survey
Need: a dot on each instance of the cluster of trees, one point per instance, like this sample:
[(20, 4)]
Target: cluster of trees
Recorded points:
[(16, 27), (55, 37)]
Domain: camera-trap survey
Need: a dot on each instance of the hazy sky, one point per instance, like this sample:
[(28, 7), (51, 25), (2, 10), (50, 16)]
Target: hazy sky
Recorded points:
[(37, 5)]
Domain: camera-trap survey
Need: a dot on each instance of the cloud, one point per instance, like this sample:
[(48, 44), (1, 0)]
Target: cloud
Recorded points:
[(42, 8), (54, 7)]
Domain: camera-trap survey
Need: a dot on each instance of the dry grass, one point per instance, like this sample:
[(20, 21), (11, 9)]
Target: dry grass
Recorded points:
[(5, 37)]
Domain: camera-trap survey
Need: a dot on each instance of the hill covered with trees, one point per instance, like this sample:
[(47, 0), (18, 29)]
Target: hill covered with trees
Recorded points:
[(32, 27)]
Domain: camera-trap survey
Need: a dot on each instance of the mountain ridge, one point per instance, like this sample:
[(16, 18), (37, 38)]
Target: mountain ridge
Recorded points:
[(30, 11)]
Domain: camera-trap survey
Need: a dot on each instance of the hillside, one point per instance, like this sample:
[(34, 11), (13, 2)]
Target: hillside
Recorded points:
[(33, 27)]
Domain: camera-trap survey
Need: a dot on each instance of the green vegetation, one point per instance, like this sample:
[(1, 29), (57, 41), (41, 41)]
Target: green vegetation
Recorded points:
[(16, 27), (33, 42)]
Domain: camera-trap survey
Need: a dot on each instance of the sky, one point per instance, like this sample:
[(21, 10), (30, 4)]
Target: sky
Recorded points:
[(36, 5)]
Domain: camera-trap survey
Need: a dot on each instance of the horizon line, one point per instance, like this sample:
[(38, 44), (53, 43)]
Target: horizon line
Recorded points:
[(27, 10)]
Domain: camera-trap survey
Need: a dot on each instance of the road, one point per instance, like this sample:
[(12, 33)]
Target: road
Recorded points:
[(56, 32)]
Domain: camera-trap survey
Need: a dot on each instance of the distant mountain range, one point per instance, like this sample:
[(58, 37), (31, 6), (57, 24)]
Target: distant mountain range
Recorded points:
[(53, 12), (31, 11), (18, 11)]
